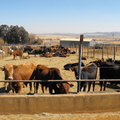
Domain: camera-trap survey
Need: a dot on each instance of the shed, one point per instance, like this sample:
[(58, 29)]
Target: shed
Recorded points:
[(87, 42)]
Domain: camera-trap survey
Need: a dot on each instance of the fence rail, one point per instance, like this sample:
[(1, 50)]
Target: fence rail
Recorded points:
[(87, 80)]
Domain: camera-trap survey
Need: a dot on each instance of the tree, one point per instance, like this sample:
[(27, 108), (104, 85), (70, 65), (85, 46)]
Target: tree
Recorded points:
[(24, 35), (32, 38), (17, 35), (3, 32), (38, 41)]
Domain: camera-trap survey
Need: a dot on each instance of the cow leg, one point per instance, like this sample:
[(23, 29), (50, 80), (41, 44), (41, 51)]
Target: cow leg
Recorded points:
[(6, 84), (104, 85), (12, 87), (84, 88), (19, 88), (30, 87), (101, 83), (89, 86), (14, 56), (93, 85), (43, 88), (36, 87), (50, 89)]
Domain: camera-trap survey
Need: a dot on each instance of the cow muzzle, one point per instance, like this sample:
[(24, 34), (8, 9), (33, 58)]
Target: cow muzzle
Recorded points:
[(10, 78)]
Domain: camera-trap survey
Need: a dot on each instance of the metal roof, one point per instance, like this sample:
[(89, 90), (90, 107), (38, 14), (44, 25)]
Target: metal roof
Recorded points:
[(75, 39)]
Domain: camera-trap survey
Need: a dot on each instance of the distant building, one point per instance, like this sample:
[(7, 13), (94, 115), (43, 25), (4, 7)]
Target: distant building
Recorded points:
[(70, 42)]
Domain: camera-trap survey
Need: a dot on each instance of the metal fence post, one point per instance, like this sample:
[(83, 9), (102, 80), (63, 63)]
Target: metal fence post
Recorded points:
[(80, 58)]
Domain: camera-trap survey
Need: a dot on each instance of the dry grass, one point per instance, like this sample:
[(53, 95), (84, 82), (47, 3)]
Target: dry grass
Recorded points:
[(54, 36)]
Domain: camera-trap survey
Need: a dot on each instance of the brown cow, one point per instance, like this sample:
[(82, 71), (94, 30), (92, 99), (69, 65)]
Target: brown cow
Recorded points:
[(23, 72), (18, 72), (84, 58), (26, 57), (8, 70), (42, 72), (48, 55), (17, 53)]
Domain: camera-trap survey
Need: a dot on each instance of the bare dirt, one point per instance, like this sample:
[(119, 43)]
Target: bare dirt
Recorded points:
[(58, 62)]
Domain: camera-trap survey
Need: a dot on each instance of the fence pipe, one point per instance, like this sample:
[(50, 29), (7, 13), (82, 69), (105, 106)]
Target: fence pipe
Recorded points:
[(80, 58), (81, 80)]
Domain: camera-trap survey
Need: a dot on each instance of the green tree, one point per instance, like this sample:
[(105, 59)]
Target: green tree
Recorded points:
[(3, 32), (17, 35)]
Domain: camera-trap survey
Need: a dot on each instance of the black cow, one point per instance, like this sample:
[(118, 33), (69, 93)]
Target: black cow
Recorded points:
[(87, 72), (37, 51), (109, 70), (70, 65), (27, 48), (113, 61)]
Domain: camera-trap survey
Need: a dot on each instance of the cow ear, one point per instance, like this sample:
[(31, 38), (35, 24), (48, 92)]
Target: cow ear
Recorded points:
[(71, 85), (2, 68), (102, 60), (14, 66), (58, 85), (71, 69), (98, 64), (85, 68)]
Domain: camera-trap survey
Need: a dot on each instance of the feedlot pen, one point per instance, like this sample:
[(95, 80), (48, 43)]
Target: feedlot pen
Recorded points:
[(75, 103)]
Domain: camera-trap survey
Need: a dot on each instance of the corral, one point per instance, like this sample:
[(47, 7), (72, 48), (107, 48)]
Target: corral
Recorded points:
[(58, 62)]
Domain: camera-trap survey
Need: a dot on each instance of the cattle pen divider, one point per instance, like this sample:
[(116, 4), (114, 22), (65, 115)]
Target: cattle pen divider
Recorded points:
[(59, 103), (81, 80)]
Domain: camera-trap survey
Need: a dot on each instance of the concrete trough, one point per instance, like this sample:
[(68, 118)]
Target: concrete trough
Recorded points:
[(59, 104)]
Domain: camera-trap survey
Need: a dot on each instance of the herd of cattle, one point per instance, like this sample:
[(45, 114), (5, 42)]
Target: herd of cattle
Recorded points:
[(42, 51), (31, 71), (109, 69)]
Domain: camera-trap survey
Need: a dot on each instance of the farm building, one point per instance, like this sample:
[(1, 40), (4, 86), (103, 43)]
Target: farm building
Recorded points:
[(70, 42)]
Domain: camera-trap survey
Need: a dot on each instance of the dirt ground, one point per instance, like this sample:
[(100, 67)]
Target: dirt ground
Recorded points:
[(58, 62)]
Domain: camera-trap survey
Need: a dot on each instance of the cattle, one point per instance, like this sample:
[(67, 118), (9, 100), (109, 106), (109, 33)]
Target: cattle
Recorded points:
[(87, 72), (84, 58), (109, 70), (8, 71), (26, 57), (48, 55), (23, 72), (70, 65), (113, 61), (73, 52), (98, 62), (2, 52), (17, 53), (37, 51), (27, 48), (18, 72), (42, 72)]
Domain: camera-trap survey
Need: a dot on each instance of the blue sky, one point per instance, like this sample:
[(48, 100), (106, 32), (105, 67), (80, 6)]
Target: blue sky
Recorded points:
[(62, 16)]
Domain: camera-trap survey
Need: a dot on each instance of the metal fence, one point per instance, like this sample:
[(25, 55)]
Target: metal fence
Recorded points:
[(62, 81), (98, 52)]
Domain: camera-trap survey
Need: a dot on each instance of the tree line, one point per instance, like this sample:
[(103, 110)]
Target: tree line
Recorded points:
[(17, 35)]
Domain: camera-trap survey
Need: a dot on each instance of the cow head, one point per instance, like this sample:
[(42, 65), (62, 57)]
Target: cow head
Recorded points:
[(55, 74), (63, 88), (8, 70)]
